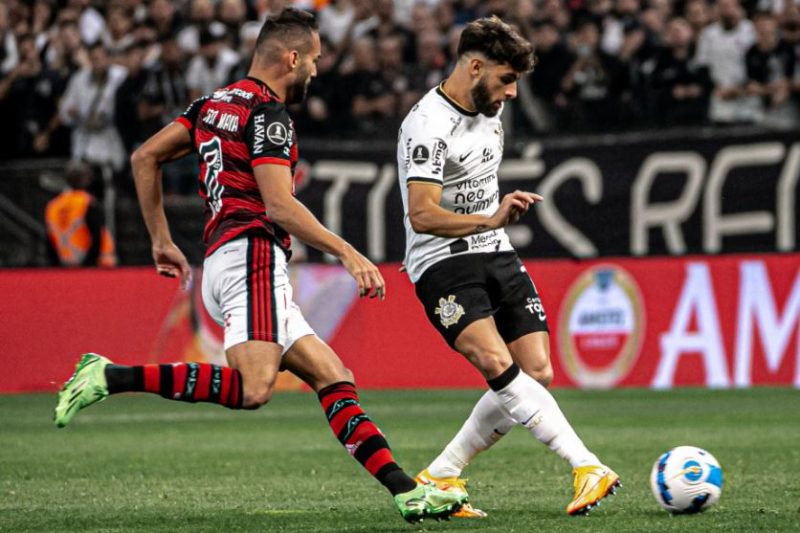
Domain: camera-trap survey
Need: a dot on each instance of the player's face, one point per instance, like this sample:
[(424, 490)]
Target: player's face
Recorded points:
[(306, 70), (497, 85)]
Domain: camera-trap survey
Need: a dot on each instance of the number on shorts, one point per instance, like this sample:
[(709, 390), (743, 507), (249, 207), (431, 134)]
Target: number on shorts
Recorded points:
[(211, 152)]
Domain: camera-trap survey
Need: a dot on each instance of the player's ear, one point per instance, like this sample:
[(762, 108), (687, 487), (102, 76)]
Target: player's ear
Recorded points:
[(476, 66), (294, 59)]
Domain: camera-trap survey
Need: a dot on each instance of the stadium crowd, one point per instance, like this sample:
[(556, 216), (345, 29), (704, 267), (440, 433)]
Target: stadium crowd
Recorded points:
[(92, 79)]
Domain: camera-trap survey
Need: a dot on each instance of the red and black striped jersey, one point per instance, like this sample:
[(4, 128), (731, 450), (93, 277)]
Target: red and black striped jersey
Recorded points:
[(234, 130)]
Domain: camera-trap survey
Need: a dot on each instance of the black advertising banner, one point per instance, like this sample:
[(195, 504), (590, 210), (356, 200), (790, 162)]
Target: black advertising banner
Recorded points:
[(632, 195)]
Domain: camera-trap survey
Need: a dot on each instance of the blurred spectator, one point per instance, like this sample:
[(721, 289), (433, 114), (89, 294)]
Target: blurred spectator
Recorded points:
[(385, 26), (233, 14), (335, 20), (697, 14), (429, 67), (722, 47), (8, 44), (129, 115), (682, 86), (91, 23), (385, 95), (163, 97), (88, 107), (594, 83), (76, 232), (120, 25), (163, 18), (791, 39), (29, 94), (212, 67), (770, 66), (201, 17), (324, 112), (553, 63)]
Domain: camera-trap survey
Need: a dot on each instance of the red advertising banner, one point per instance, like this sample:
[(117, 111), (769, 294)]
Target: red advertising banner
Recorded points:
[(729, 321)]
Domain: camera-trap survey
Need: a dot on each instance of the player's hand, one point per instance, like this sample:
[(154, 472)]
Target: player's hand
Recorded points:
[(369, 279), (170, 262), (512, 207)]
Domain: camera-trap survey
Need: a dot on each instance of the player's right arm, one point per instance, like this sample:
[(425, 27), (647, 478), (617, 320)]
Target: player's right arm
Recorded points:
[(172, 142), (427, 215)]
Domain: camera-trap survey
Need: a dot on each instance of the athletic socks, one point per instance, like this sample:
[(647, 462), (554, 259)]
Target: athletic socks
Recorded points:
[(531, 405), (361, 437), (185, 382), (486, 424)]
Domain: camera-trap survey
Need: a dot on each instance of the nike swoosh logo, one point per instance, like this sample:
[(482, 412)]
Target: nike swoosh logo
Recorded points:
[(463, 157), (531, 418)]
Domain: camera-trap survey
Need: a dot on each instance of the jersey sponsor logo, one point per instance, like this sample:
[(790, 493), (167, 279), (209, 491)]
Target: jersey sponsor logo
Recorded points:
[(601, 325), (258, 134), (420, 154), (437, 161), (449, 311), (226, 95), (487, 155), (277, 133)]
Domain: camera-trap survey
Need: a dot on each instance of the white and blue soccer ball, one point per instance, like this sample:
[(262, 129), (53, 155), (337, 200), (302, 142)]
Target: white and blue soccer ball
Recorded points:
[(686, 479)]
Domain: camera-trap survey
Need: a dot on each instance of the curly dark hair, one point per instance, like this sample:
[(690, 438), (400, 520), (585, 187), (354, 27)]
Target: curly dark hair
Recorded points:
[(499, 42)]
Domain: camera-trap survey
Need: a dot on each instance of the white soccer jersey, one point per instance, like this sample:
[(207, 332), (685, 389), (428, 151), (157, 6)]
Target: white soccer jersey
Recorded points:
[(440, 142)]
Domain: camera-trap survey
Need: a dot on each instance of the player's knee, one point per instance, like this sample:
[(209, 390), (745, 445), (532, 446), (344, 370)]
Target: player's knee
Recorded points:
[(543, 375), (256, 396), (491, 363)]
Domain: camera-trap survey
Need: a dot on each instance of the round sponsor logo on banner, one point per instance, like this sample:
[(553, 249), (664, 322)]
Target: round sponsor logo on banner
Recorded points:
[(600, 327)]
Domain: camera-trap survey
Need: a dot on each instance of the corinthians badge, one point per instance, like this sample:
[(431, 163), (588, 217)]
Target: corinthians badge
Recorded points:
[(449, 311)]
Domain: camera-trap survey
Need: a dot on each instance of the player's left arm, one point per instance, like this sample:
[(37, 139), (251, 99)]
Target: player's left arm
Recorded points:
[(172, 142)]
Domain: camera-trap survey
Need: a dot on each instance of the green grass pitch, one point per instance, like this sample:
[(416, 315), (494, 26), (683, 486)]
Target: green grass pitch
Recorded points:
[(146, 464)]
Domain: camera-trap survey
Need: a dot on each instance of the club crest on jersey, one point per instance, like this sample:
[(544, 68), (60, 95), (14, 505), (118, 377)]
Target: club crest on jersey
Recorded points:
[(277, 134), (420, 154), (449, 311)]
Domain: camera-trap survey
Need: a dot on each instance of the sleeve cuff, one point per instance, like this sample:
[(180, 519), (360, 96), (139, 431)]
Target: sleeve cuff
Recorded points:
[(185, 122), (270, 161), (430, 181)]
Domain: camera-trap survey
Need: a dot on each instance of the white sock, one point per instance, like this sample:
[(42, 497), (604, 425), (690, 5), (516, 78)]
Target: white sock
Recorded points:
[(487, 423), (530, 404)]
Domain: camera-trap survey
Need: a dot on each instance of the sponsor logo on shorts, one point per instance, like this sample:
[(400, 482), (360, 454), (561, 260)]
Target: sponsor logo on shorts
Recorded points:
[(535, 307), (449, 311), (600, 327)]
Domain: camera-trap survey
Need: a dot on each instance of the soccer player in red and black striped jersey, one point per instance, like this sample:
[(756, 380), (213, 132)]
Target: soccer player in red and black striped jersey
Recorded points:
[(248, 149)]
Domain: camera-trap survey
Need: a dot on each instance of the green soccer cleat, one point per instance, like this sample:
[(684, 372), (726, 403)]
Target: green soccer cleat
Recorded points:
[(426, 501), (86, 386)]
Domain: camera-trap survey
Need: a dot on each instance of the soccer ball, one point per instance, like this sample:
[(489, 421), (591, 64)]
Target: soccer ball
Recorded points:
[(686, 479)]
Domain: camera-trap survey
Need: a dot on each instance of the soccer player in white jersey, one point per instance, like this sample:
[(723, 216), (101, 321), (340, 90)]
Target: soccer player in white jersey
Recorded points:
[(473, 286)]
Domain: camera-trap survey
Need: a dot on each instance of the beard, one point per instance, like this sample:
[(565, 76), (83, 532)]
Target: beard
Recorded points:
[(482, 99), (296, 92)]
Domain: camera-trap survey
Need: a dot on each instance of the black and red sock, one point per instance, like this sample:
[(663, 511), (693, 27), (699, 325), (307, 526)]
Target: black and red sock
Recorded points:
[(361, 437), (185, 382)]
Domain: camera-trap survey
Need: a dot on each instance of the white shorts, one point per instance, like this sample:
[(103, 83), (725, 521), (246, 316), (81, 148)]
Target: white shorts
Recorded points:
[(246, 290)]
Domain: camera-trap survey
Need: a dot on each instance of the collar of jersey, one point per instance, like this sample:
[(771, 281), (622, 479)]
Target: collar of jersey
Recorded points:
[(456, 106), (264, 85)]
